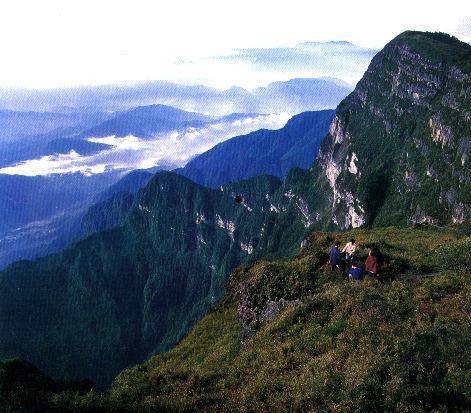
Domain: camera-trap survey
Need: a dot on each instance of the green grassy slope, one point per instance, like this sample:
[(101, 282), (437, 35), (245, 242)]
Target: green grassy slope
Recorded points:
[(399, 345)]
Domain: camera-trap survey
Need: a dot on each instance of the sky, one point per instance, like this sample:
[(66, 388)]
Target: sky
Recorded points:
[(58, 43)]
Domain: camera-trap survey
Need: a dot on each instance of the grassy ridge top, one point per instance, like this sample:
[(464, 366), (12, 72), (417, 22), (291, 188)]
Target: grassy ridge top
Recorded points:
[(401, 345), (438, 47), (367, 346)]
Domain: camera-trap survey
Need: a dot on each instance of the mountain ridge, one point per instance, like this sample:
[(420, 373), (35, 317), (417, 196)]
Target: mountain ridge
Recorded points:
[(192, 97), (271, 152)]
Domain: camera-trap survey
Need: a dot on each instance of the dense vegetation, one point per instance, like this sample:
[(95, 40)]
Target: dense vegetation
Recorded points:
[(398, 345), (120, 295)]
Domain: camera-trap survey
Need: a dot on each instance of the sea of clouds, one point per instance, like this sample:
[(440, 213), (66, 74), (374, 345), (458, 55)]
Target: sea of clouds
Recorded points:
[(125, 153)]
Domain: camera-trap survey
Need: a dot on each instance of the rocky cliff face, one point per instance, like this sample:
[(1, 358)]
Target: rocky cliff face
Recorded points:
[(398, 149)]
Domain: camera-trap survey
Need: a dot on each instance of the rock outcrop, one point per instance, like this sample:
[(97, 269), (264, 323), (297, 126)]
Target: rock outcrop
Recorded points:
[(403, 137)]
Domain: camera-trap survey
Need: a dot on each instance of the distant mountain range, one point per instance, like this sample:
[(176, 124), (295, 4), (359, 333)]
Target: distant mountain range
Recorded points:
[(28, 135), (43, 190), (142, 137), (54, 213), (263, 152), (147, 121), (16, 125), (54, 122), (291, 97)]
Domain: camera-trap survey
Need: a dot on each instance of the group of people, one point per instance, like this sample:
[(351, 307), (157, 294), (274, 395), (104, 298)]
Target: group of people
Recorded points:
[(346, 259)]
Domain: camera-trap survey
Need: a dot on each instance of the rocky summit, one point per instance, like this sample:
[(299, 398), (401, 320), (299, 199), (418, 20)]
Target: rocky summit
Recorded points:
[(398, 150)]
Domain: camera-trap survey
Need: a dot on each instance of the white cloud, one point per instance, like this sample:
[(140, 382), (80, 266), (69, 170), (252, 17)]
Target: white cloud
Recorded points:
[(194, 134), (55, 164), (129, 142), (130, 152)]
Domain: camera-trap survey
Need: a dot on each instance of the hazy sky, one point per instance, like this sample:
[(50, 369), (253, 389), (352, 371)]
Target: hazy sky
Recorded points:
[(53, 43)]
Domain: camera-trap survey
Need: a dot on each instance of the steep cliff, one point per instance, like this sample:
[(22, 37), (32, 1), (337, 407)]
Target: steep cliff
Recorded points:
[(399, 147)]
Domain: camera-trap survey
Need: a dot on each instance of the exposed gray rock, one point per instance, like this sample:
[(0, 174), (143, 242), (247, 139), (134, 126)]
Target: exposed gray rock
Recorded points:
[(273, 308)]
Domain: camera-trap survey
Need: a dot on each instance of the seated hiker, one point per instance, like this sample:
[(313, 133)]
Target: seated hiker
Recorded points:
[(355, 272), (349, 250), (371, 264), (335, 258)]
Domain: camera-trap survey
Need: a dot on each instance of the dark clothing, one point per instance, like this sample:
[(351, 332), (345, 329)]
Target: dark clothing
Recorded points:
[(356, 273), (371, 265), (335, 257), (349, 258)]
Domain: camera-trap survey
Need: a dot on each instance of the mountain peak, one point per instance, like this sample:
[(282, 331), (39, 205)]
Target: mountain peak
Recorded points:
[(407, 117), (436, 47), (331, 43)]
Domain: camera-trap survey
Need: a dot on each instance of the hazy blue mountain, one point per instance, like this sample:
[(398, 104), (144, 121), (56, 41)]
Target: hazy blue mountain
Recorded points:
[(19, 124), (157, 122), (66, 145), (271, 152), (302, 94), (147, 121), (30, 135), (197, 98), (40, 214), (12, 153), (24, 199), (44, 125)]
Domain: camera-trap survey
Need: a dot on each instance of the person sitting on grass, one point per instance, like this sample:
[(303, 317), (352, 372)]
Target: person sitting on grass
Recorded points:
[(349, 250), (335, 258), (371, 264), (355, 272)]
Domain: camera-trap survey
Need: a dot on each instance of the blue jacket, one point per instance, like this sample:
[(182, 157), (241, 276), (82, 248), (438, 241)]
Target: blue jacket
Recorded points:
[(356, 273), (334, 256)]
